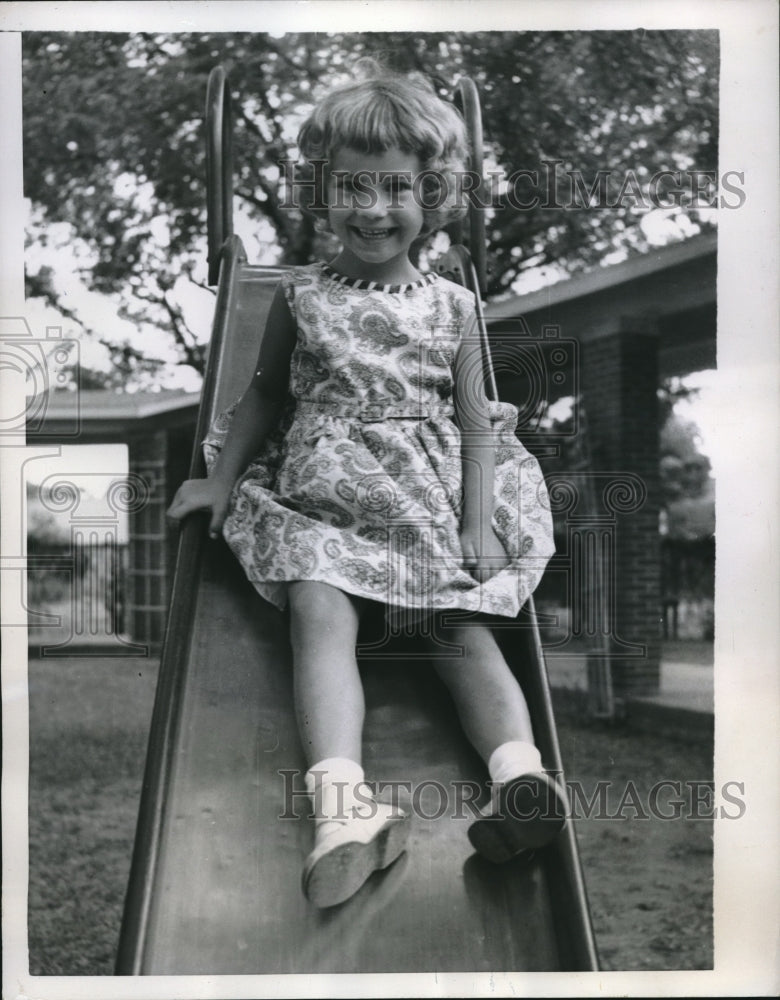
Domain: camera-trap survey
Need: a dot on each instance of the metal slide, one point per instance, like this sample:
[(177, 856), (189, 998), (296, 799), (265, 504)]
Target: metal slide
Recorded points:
[(215, 880)]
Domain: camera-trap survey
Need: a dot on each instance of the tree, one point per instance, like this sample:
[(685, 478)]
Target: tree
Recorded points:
[(687, 487), (114, 147)]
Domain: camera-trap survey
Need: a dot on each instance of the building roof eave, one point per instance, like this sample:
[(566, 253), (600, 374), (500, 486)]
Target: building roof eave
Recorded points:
[(602, 279), (84, 416)]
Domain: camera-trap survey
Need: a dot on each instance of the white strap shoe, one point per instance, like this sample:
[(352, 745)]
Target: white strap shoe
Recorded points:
[(347, 851)]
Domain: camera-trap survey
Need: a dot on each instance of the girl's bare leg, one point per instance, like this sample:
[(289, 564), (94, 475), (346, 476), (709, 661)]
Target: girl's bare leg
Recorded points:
[(353, 836), (329, 701), (528, 808), (490, 704)]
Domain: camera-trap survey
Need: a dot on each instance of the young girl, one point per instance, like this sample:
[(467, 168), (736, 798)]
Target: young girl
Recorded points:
[(364, 463)]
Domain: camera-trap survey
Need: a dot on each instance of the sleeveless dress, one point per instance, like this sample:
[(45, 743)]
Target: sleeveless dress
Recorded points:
[(360, 486)]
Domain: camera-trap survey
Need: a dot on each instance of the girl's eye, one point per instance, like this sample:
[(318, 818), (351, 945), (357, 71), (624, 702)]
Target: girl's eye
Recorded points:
[(396, 187), (401, 182)]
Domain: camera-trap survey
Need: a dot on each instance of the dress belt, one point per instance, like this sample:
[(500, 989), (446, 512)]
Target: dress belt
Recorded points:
[(373, 412)]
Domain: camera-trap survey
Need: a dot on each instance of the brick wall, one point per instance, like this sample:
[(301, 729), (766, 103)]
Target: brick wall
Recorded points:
[(619, 382), (147, 589)]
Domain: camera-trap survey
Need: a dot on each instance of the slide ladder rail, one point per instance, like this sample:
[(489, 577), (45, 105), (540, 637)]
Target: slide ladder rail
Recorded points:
[(564, 869), (466, 99), (571, 916), (175, 650), (219, 168), (468, 268)]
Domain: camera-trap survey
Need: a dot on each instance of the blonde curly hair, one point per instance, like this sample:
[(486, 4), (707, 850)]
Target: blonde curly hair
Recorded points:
[(384, 110)]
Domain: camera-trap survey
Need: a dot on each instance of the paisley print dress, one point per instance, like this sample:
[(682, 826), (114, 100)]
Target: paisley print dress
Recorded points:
[(361, 487)]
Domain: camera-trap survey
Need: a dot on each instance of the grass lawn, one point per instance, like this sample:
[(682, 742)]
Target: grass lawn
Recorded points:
[(649, 880), (88, 725)]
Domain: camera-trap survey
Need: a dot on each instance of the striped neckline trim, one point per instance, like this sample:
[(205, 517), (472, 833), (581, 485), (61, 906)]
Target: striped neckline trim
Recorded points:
[(375, 286)]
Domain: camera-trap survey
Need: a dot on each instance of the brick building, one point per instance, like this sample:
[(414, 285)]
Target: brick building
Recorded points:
[(158, 429), (609, 337)]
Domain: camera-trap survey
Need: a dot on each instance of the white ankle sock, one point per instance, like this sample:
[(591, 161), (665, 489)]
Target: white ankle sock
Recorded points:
[(332, 784), (513, 759)]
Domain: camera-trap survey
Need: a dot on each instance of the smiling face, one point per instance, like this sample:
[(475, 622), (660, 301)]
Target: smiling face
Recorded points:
[(373, 211)]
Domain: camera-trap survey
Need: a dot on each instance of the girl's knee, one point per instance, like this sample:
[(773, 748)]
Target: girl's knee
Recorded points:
[(474, 651), (319, 606), (465, 636)]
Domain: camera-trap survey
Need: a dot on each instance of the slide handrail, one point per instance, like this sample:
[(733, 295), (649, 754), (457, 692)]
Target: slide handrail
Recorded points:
[(469, 268), (466, 99), (175, 652), (219, 168)]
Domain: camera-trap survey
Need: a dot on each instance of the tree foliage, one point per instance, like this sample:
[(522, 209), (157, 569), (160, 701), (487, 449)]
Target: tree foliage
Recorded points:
[(114, 146), (687, 486)]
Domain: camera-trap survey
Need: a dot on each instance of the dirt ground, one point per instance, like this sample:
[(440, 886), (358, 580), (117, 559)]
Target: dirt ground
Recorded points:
[(649, 879)]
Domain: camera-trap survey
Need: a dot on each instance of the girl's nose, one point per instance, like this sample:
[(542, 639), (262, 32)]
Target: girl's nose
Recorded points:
[(374, 205)]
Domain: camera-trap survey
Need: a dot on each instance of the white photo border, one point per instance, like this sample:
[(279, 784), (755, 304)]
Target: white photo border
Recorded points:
[(747, 685)]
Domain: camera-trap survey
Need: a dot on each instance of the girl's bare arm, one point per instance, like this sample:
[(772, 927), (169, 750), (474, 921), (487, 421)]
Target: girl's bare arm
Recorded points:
[(482, 551), (256, 414)]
